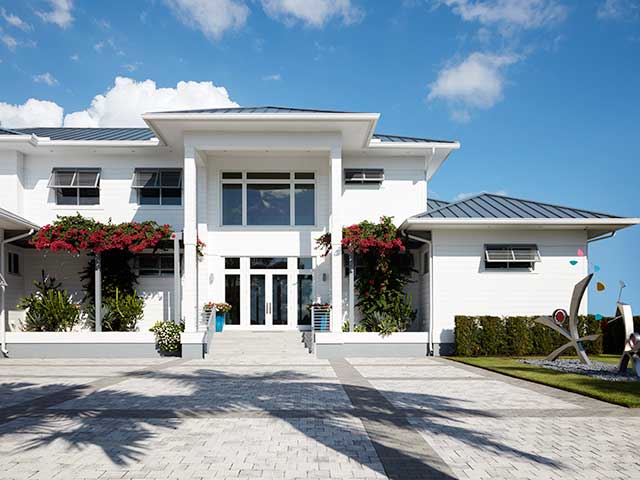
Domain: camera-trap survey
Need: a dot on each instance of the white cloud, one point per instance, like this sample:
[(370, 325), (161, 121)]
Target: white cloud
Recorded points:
[(15, 21), (123, 104), (32, 113), (60, 13), (131, 67), (45, 78), (75, 57), (274, 78), (464, 195), (212, 17), (475, 83), (618, 9), (9, 42), (509, 14), (314, 13)]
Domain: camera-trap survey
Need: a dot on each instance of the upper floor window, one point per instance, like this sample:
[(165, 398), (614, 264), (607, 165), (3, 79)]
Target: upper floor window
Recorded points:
[(76, 186), (364, 176), (268, 198), (158, 186), (511, 257)]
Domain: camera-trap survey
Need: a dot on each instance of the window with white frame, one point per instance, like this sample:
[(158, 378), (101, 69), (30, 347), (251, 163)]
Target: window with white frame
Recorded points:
[(75, 186), (158, 186), (269, 198), (154, 264), (511, 257), (13, 263)]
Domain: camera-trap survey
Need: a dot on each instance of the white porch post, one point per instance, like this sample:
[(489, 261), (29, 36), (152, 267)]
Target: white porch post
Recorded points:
[(190, 279), (336, 238)]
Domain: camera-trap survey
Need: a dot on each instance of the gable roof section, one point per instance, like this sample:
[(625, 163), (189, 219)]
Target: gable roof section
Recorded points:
[(404, 139), (433, 204), (85, 134), (7, 131), (493, 206)]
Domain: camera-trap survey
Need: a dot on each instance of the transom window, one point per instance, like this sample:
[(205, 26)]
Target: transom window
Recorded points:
[(511, 257), (76, 186), (158, 186), (154, 264), (268, 198)]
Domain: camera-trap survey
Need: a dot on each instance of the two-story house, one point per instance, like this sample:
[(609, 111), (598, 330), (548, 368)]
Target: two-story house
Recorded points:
[(258, 186)]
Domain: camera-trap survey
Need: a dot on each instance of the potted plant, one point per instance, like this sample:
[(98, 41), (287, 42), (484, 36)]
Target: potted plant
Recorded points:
[(221, 312)]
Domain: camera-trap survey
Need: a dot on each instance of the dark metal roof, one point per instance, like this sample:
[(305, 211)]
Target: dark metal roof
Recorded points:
[(6, 131), (432, 204), (402, 139), (122, 134), (97, 134), (489, 205), (265, 109)]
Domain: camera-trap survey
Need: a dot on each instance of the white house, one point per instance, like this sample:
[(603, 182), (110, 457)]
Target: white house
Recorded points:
[(258, 186)]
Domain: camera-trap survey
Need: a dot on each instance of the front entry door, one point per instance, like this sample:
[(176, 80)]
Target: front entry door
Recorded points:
[(269, 299)]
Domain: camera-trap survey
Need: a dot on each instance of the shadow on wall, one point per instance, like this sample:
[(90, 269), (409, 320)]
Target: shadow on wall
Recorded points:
[(127, 425)]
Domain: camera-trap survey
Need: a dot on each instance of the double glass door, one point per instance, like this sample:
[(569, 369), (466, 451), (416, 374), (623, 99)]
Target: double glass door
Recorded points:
[(268, 298)]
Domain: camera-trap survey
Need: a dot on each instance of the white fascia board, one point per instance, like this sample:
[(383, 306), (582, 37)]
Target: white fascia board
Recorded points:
[(427, 223), (17, 219), (34, 141), (235, 117)]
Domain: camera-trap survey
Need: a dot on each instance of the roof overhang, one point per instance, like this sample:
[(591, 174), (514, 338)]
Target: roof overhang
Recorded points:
[(11, 221), (595, 227), (26, 143)]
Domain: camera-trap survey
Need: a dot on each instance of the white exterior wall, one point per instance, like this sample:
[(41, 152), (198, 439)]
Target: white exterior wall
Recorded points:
[(461, 286)]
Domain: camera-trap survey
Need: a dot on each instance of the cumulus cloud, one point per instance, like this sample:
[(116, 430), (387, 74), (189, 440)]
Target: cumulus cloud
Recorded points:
[(15, 21), (525, 14), (60, 13), (123, 104), (314, 13), (45, 78), (618, 9), (10, 42), (212, 17), (475, 83), (32, 113)]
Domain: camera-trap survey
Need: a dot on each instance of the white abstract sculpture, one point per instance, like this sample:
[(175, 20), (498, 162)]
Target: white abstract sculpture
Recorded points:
[(558, 318), (631, 350)]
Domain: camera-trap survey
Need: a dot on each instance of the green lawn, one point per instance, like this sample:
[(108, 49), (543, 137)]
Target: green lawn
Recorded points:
[(622, 393)]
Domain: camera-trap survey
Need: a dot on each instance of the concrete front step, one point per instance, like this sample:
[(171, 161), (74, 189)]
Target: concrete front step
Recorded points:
[(258, 345)]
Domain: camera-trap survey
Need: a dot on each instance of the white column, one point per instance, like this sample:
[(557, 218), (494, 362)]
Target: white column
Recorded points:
[(336, 238), (190, 278)]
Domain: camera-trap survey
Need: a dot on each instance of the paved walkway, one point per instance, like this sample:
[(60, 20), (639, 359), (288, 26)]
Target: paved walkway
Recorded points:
[(261, 407)]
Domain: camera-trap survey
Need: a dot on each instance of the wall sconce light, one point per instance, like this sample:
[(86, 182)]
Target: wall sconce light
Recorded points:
[(324, 277)]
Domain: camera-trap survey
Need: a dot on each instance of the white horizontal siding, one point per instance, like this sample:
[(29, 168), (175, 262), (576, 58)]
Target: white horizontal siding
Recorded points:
[(462, 287)]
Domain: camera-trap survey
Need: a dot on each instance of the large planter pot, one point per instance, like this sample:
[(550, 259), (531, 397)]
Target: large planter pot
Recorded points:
[(220, 317)]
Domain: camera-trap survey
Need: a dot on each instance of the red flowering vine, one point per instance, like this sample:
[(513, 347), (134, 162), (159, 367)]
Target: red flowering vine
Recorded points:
[(365, 237), (77, 233)]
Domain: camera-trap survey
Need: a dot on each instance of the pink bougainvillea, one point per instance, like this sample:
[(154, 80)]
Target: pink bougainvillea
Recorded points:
[(77, 233)]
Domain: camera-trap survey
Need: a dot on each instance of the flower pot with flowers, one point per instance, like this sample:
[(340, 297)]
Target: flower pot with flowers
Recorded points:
[(220, 310)]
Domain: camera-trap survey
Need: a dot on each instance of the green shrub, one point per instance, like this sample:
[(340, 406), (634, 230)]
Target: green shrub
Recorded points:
[(467, 336), (120, 313), (49, 308), (168, 336), (518, 336)]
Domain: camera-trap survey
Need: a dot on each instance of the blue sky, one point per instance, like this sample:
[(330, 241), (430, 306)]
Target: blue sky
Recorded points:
[(542, 94)]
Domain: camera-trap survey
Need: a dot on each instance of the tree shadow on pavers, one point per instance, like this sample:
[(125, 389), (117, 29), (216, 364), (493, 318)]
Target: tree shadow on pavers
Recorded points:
[(124, 421)]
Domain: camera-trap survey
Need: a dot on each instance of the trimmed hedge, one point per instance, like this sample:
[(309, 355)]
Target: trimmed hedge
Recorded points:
[(517, 336)]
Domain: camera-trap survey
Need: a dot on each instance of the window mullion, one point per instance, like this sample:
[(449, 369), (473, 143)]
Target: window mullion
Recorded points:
[(292, 202)]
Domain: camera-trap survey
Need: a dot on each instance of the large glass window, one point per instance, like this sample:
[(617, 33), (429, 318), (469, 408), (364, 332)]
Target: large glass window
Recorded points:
[(76, 186), (268, 263), (268, 198), (268, 204)]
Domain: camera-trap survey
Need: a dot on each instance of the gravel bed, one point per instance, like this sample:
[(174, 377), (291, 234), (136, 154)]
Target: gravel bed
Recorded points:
[(603, 371)]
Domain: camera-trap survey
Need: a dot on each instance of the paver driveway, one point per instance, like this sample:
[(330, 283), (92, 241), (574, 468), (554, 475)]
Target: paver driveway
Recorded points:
[(261, 407)]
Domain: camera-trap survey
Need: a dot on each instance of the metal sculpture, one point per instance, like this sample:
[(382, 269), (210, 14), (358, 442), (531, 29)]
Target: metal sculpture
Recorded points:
[(559, 316), (631, 350)]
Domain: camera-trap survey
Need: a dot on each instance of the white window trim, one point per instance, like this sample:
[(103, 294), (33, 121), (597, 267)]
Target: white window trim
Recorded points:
[(291, 181), (512, 263)]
